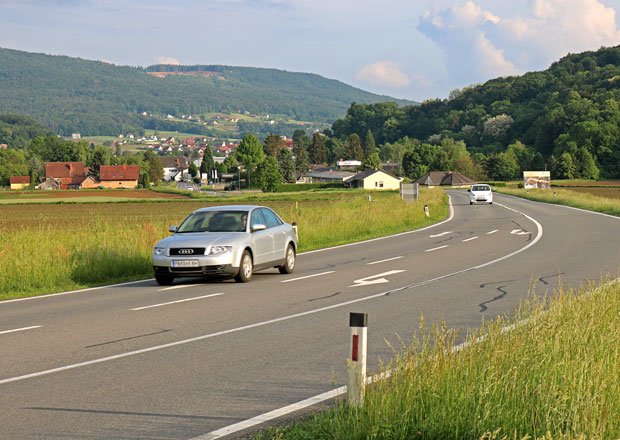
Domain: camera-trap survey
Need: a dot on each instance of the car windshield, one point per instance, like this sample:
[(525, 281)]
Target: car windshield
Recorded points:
[(481, 188), (215, 221)]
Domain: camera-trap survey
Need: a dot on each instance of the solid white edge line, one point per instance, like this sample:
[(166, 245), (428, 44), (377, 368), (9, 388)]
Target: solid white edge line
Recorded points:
[(437, 248), (470, 239), (51, 295), (308, 276), (384, 261), (176, 302), (272, 415), (19, 329)]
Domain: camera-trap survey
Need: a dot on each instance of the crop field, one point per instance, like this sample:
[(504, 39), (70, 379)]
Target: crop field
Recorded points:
[(68, 196), (47, 248)]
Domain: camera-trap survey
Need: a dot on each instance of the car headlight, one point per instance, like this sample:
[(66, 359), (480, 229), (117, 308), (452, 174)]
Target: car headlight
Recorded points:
[(159, 251), (218, 250)]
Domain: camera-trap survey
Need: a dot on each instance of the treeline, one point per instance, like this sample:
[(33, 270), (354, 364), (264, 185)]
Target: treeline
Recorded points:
[(71, 95), (566, 119)]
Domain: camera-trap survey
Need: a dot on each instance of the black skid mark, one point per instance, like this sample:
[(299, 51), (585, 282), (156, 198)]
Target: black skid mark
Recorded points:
[(484, 308), (324, 297), (542, 279)]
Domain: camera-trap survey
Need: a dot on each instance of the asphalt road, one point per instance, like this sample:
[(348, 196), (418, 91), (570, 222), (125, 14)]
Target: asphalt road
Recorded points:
[(140, 361)]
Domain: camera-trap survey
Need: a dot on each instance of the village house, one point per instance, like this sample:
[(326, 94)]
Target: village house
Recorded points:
[(119, 176), (69, 174), (19, 182), (374, 179), (175, 168)]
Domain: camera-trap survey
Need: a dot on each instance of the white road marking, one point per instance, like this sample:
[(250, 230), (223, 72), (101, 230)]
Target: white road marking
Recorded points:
[(437, 248), (19, 329), (492, 232), (180, 286), (283, 318), (439, 235), (375, 279), (309, 276), (384, 261), (177, 302), (469, 239)]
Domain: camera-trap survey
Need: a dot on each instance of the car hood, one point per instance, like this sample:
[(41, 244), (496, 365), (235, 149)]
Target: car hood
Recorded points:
[(201, 239)]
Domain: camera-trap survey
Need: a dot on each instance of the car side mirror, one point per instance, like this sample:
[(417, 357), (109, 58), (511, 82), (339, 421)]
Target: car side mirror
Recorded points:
[(469, 190), (258, 227), (173, 228)]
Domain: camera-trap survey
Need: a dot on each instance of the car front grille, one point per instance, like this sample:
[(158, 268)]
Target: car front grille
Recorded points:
[(187, 251)]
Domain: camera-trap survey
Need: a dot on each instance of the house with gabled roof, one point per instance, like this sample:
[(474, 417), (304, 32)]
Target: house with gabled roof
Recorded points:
[(374, 180), (70, 174), (19, 182), (119, 176)]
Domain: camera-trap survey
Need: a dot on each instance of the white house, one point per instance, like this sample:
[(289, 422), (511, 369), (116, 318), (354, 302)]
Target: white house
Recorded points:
[(374, 179)]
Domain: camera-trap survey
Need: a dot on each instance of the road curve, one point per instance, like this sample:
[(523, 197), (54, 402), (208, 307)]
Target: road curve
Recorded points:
[(140, 361)]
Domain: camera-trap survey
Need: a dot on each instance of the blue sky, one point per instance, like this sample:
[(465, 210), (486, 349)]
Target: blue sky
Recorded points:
[(414, 49)]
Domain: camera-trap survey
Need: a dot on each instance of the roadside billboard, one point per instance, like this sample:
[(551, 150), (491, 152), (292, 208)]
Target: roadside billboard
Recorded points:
[(537, 179)]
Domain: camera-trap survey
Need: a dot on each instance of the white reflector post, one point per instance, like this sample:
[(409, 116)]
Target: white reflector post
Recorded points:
[(358, 322)]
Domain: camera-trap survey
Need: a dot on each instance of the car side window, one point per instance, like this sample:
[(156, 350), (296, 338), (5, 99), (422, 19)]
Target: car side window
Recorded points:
[(257, 218), (271, 218)]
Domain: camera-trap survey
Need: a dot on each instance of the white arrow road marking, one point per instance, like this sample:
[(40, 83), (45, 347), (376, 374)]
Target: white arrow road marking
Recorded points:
[(176, 302), (19, 329), (519, 232), (439, 235), (375, 279)]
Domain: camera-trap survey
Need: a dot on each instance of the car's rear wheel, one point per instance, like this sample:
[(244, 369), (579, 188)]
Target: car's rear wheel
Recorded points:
[(246, 268), (289, 262), (164, 280)]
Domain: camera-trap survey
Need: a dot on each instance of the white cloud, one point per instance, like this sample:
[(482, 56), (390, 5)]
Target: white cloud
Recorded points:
[(168, 60), (383, 74), (489, 44)]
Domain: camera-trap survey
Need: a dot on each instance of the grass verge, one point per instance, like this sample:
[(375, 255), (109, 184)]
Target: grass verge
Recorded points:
[(553, 375), (561, 196), (53, 248)]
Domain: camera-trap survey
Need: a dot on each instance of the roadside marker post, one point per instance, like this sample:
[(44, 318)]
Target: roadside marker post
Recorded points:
[(358, 322), (426, 211)]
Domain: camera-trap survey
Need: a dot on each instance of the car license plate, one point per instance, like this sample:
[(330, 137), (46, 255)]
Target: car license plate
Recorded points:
[(184, 263)]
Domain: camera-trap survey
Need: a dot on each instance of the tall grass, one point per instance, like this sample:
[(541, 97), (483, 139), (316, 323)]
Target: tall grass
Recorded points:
[(569, 198), (52, 248), (553, 375)]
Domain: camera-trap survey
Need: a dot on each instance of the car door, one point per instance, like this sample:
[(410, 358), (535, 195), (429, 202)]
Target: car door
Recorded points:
[(262, 241), (279, 233)]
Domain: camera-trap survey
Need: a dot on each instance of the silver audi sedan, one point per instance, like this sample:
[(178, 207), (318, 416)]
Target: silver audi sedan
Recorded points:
[(226, 241)]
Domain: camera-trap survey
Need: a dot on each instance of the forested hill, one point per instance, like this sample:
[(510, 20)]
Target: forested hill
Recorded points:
[(92, 97), (564, 117)]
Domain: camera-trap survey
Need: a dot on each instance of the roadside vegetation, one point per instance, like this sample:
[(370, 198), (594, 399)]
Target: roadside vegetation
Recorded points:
[(549, 372), (47, 248), (605, 200)]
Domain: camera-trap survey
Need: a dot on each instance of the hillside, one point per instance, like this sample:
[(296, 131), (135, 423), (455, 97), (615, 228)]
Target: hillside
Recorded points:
[(565, 117), (96, 98)]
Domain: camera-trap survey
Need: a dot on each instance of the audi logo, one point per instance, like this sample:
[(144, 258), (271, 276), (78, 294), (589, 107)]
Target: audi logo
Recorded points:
[(186, 251)]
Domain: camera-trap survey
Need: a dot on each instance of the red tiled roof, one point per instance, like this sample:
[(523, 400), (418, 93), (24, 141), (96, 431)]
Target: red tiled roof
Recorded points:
[(119, 172), (19, 179), (69, 173)]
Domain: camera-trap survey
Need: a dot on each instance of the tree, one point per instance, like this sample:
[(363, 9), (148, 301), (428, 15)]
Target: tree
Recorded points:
[(193, 170), (97, 157), (354, 147), (286, 165), (501, 166), (318, 151), (268, 175), (250, 153), (155, 167), (12, 163), (373, 161), (56, 149), (207, 164), (273, 145), (369, 144)]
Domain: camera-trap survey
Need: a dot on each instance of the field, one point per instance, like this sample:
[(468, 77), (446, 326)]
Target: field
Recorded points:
[(82, 196), (47, 248)]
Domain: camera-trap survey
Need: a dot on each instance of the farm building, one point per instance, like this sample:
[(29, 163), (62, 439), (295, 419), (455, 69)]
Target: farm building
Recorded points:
[(19, 182)]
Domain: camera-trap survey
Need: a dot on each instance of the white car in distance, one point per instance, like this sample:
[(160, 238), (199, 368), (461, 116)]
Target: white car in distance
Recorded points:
[(480, 193)]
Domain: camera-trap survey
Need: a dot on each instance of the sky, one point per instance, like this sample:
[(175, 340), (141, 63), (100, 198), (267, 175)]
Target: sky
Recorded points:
[(409, 49)]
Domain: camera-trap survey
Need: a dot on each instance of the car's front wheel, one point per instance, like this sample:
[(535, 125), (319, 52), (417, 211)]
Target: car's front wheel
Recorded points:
[(246, 267), (289, 262), (164, 280)]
